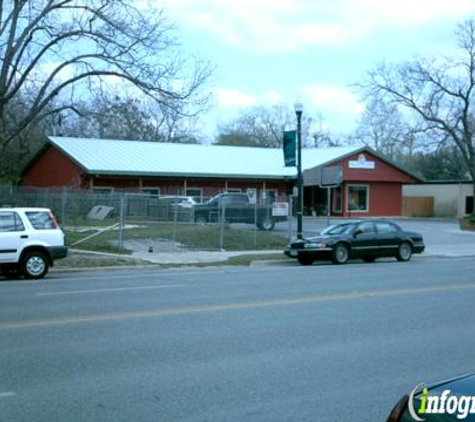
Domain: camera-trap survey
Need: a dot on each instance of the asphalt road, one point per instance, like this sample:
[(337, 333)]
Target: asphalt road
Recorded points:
[(284, 343)]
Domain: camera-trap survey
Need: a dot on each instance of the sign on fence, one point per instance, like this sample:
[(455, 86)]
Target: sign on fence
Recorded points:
[(99, 212), (280, 209)]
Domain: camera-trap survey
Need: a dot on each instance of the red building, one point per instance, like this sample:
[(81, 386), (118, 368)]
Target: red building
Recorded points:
[(371, 184)]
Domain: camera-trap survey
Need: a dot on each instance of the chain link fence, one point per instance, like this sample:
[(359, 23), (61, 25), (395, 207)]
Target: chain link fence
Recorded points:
[(127, 221)]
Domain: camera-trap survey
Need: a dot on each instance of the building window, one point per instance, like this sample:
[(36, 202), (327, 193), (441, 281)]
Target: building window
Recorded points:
[(358, 198), (103, 190), (269, 196), (195, 193), (151, 191), (252, 194)]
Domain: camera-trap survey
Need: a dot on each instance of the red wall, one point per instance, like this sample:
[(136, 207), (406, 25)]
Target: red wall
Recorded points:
[(385, 200), (384, 182), (53, 169), (175, 186), (383, 172)]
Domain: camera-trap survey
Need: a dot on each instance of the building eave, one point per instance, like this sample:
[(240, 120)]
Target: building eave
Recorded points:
[(94, 172)]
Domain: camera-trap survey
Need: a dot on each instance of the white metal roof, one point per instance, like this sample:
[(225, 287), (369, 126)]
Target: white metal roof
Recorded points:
[(102, 156)]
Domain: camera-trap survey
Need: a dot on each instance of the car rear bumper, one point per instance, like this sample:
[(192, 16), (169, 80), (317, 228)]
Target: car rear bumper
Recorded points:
[(58, 252)]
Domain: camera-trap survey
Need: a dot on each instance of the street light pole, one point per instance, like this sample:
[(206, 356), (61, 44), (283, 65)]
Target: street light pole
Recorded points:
[(298, 112)]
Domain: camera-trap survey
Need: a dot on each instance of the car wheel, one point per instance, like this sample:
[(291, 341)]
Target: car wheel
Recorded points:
[(267, 224), (201, 220), (369, 258), (305, 260), (34, 265), (340, 254), (404, 252)]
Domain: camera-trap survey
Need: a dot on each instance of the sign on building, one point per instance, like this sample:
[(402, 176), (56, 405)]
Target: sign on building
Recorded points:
[(326, 177), (280, 209), (361, 163)]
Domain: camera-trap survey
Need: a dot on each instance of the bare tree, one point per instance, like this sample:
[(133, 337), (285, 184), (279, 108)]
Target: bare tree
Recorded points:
[(110, 116), (264, 127), (52, 51), (321, 136), (382, 127), (439, 92)]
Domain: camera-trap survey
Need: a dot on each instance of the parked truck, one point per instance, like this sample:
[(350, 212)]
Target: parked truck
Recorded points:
[(236, 208)]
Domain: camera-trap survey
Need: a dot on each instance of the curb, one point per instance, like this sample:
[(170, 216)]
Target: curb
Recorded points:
[(263, 263), (212, 263)]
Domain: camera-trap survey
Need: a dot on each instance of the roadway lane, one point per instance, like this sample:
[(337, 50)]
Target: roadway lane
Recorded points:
[(324, 343)]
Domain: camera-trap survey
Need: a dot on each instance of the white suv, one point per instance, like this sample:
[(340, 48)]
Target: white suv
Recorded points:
[(30, 241)]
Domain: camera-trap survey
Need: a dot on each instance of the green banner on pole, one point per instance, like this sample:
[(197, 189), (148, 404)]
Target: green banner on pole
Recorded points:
[(290, 148)]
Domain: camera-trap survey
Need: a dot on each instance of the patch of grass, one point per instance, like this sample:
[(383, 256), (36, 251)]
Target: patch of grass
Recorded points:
[(249, 259), (190, 236), (468, 223), (471, 220), (88, 222), (100, 243), (81, 260)]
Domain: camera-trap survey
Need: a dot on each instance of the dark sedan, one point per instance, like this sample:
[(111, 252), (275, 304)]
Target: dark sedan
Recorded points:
[(367, 240)]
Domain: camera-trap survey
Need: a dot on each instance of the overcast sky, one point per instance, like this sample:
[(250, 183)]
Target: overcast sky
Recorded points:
[(279, 51)]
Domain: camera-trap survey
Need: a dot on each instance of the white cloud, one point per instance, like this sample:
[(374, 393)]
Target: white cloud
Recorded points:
[(405, 13), (333, 100), (272, 97), (230, 98), (287, 25)]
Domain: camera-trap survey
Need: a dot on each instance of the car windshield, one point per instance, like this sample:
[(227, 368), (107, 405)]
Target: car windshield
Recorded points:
[(338, 229)]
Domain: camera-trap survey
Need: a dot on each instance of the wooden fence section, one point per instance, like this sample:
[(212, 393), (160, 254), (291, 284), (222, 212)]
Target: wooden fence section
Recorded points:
[(418, 206)]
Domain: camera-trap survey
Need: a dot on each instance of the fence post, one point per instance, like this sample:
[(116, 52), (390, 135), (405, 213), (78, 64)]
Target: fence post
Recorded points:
[(255, 223), (175, 218), (222, 215), (290, 216), (64, 201), (121, 222)]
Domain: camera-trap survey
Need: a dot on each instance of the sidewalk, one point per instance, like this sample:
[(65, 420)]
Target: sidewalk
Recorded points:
[(164, 258), (196, 257)]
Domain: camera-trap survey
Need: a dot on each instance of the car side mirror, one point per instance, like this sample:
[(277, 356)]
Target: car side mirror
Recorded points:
[(357, 232)]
